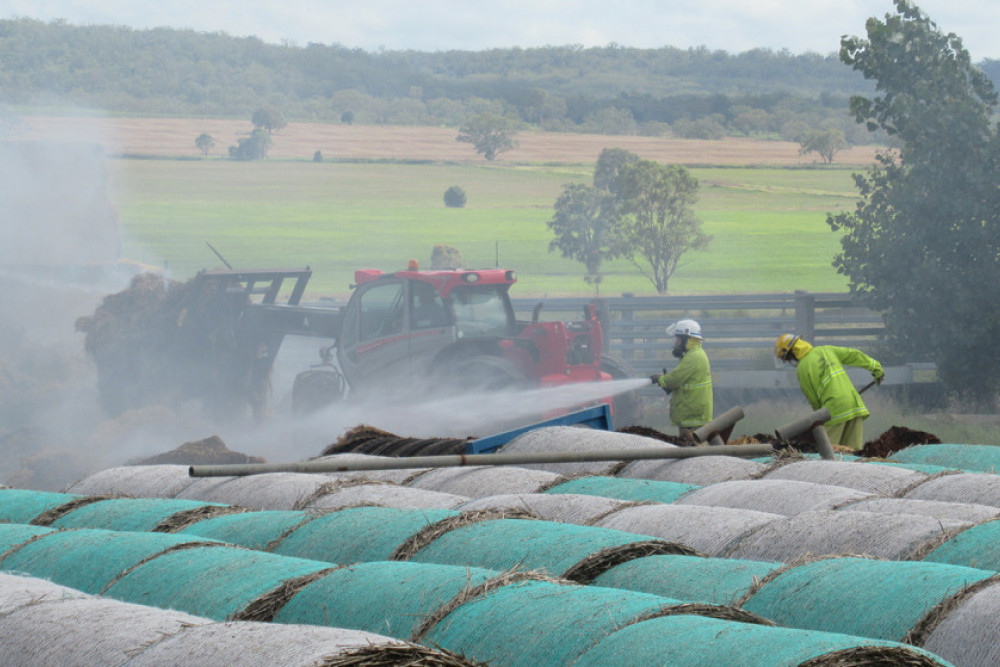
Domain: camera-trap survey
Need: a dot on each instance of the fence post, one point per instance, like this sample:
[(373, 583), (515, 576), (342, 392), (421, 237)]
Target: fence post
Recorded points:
[(805, 315)]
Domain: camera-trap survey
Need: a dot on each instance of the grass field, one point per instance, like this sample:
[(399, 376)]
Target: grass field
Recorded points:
[(768, 224)]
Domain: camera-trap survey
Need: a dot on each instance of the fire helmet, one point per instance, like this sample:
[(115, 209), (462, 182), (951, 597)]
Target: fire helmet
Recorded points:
[(685, 328), (783, 347)]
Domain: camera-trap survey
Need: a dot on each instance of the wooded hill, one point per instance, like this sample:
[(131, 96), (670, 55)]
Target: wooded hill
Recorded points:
[(614, 90)]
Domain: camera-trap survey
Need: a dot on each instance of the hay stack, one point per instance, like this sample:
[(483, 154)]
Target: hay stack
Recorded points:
[(702, 470), (159, 481), (710, 530), (577, 439), (564, 508), (881, 480), (776, 496), (478, 481), (827, 532)]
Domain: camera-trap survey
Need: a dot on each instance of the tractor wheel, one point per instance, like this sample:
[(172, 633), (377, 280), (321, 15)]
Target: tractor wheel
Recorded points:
[(626, 406), (316, 389), (486, 373)]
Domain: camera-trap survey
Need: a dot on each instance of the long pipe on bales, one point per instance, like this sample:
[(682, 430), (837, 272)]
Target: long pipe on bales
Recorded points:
[(456, 460)]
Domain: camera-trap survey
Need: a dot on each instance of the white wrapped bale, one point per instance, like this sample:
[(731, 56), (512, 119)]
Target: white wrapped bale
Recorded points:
[(700, 470), (577, 439), (829, 532), (776, 496), (978, 488), (479, 481), (270, 491), (881, 480), (19, 591), (709, 530), (155, 481), (963, 636), (562, 507), (384, 495), (938, 509), (398, 476)]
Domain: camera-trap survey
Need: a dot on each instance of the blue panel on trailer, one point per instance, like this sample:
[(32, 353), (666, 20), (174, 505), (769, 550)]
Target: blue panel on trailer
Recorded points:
[(598, 417)]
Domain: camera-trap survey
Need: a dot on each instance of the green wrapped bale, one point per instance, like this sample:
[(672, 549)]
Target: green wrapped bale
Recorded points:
[(697, 641), (23, 505), (134, 514), (859, 596), (974, 458), (638, 490), (389, 598), (358, 534), (253, 530), (15, 534), (978, 546), (689, 578)]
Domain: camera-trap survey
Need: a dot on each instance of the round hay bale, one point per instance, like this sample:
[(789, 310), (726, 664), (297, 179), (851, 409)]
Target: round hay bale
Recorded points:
[(701, 470), (253, 530), (13, 535), (85, 632), (270, 491), (978, 546), (553, 548), (478, 481), (776, 496), (694, 641), (228, 579), (710, 530), (828, 532), (925, 468), (977, 488), (636, 490), (18, 590), (247, 644), (879, 480), (24, 505), (935, 508), (540, 622), (390, 598), (577, 439), (965, 636), (397, 476), (564, 508), (690, 578), (974, 458), (384, 495), (90, 559), (859, 596), (159, 481), (358, 534), (136, 514)]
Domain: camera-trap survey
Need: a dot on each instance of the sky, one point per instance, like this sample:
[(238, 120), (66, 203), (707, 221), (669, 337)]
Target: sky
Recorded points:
[(439, 25)]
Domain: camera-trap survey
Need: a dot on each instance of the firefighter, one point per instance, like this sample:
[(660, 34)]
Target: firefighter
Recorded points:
[(690, 383), (825, 383)]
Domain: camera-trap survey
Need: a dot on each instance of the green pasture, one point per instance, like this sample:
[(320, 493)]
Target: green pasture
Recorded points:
[(768, 224)]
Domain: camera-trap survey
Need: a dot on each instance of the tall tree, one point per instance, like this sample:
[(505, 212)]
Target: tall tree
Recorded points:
[(268, 118), (827, 143), (658, 221), (923, 243), (583, 231), (489, 133)]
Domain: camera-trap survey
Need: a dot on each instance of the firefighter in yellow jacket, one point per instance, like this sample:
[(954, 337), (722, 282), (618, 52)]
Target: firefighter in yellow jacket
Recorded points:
[(690, 383), (825, 383)]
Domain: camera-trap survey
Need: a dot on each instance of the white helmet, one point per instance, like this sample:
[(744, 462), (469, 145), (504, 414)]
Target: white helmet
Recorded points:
[(685, 328)]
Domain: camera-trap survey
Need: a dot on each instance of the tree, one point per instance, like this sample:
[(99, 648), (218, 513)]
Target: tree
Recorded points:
[(268, 118), (347, 117), (922, 244), (489, 133), (583, 229), (824, 142), (609, 164), (454, 197), (658, 224), (205, 143), (253, 147)]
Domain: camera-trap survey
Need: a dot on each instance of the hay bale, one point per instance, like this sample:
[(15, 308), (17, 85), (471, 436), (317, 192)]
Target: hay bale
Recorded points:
[(879, 480), (973, 458), (14, 535), (161, 481), (564, 508), (709, 530), (720, 581), (775, 496), (859, 596), (828, 532), (390, 598), (18, 590), (383, 494), (270, 491), (228, 579), (577, 439), (253, 530), (358, 534), (25, 505), (963, 635), (692, 641), (396, 476), (89, 559), (935, 508), (636, 490), (478, 481), (137, 514), (701, 470), (978, 546), (977, 488)]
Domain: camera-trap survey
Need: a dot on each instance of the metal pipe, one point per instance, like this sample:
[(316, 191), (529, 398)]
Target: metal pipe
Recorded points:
[(813, 423), (456, 460), (712, 431)]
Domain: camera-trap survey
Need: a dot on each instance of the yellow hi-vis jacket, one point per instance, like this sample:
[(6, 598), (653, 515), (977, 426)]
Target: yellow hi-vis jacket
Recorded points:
[(690, 385), (825, 383)]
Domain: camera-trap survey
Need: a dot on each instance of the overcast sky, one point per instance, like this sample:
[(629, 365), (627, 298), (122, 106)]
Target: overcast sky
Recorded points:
[(437, 25)]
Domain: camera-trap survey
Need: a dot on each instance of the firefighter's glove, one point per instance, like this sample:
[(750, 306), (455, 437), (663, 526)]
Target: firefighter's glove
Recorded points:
[(655, 379), (877, 373)]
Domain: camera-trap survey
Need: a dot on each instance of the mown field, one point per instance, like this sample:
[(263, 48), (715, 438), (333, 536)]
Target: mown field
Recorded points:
[(376, 201)]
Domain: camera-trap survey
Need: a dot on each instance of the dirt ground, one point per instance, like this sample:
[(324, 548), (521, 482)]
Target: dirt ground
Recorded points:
[(174, 137)]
